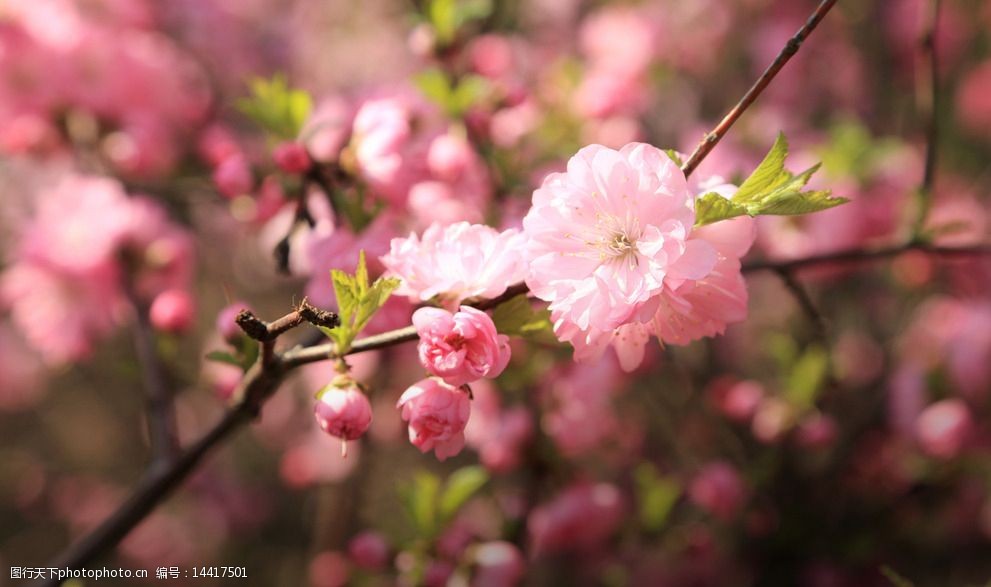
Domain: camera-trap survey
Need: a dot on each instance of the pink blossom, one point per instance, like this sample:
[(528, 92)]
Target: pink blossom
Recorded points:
[(233, 176), (173, 311), (580, 518), (973, 106), (461, 347), (225, 324), (456, 262), (497, 564), (342, 410), (499, 435), (291, 157), (611, 246), (942, 429), (718, 489), (737, 400), (384, 147), (327, 129), (369, 550), (448, 156), (437, 414)]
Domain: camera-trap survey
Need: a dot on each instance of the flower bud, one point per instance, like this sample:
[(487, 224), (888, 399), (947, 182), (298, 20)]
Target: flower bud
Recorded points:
[(226, 325), (437, 414), (233, 177), (342, 410), (369, 550), (718, 490), (172, 311), (291, 157), (461, 347), (497, 564), (448, 157), (942, 428)]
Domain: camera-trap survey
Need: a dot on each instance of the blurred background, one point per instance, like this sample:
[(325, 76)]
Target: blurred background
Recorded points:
[(840, 436)]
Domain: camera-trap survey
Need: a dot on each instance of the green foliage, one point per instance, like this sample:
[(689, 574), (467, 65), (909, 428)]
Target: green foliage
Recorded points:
[(432, 506), (357, 302), (517, 317), (243, 357), (276, 107), (460, 487), (770, 189), (656, 496), (448, 16), (674, 156), (806, 377), (454, 98)]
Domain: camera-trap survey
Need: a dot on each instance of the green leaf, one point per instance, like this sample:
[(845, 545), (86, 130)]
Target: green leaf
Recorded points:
[(517, 317), (223, 357), (461, 486), (656, 496), (276, 107), (806, 377), (674, 156), (713, 207), (448, 16), (767, 175), (470, 90), (357, 302), (770, 189), (433, 84), (421, 503)]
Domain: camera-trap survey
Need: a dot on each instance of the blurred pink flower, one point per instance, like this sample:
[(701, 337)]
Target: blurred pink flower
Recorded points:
[(456, 262), (718, 489), (291, 157), (461, 347), (369, 550), (497, 564), (973, 105), (581, 416), (942, 429), (387, 154), (499, 435), (233, 176), (173, 311), (582, 517), (437, 414)]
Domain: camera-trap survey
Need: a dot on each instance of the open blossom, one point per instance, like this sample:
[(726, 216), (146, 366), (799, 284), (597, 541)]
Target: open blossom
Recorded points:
[(611, 246), (456, 262), (437, 414), (462, 347)]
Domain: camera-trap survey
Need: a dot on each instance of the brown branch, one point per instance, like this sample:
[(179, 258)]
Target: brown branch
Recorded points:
[(805, 302), (928, 99), (864, 255), (787, 52), (160, 413)]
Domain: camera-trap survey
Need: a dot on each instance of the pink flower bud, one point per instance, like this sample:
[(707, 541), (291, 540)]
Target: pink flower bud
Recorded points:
[(369, 550), (291, 157), (738, 400), (461, 347), (718, 489), (498, 564), (816, 432), (437, 414), (233, 177), (448, 156), (943, 427), (226, 326), (343, 411), (172, 311)]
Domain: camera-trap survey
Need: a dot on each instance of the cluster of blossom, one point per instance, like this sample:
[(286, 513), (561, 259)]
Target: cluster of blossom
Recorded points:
[(86, 254), (98, 78)]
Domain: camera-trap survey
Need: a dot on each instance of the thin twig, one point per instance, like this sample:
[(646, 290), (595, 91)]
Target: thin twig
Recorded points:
[(805, 302), (789, 50), (161, 419), (928, 99), (863, 255)]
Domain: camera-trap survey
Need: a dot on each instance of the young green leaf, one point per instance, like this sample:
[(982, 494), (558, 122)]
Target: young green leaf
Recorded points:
[(712, 207), (518, 318), (223, 357), (357, 302), (806, 377), (461, 486), (421, 503), (276, 107), (770, 189), (657, 496)]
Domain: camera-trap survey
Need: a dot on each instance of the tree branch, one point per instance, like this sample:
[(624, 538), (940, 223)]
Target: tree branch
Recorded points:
[(927, 97), (160, 413), (787, 52), (863, 255)]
